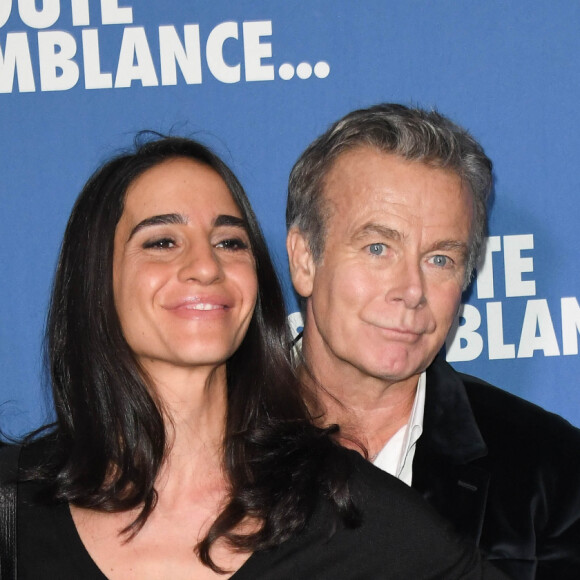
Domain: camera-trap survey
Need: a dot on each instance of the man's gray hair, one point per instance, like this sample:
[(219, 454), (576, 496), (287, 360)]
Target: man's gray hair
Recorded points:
[(412, 133)]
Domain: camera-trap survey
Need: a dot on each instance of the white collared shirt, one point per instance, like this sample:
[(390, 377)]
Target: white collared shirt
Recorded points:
[(396, 457)]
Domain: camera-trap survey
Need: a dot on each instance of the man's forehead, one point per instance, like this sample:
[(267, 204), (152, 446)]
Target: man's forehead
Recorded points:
[(371, 191), (365, 166)]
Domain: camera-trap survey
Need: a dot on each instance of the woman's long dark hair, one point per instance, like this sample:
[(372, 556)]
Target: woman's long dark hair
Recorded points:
[(110, 435)]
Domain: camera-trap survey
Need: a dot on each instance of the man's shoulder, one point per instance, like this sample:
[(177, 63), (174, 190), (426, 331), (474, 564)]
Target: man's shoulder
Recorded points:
[(521, 462), (505, 418)]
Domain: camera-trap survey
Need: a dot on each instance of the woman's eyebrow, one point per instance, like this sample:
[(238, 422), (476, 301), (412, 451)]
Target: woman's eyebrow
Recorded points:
[(230, 220), (159, 220)]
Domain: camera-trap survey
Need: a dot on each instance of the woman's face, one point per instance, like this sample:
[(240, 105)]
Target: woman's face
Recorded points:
[(184, 275)]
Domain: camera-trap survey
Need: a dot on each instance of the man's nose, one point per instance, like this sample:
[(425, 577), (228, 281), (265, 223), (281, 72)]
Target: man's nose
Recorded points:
[(408, 284), (201, 264)]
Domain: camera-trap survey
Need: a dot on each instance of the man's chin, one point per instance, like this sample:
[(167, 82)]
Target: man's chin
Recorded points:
[(393, 372), (397, 366)]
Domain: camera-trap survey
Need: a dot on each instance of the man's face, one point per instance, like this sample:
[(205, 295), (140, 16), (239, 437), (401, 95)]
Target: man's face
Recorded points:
[(385, 292)]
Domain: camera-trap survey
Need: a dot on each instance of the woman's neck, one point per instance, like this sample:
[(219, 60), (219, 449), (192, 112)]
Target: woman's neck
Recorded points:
[(194, 407)]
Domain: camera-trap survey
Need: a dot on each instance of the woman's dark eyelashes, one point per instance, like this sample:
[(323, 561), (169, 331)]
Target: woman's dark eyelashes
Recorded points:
[(233, 244), (161, 243), (166, 242)]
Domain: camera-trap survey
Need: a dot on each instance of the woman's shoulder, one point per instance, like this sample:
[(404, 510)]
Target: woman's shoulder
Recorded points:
[(34, 478), (36, 452), (48, 543), (18, 460), (387, 502), (398, 536)]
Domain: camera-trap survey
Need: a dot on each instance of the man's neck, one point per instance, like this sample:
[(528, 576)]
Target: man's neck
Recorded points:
[(369, 410)]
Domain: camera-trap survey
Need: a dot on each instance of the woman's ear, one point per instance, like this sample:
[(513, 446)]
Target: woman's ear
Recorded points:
[(302, 267)]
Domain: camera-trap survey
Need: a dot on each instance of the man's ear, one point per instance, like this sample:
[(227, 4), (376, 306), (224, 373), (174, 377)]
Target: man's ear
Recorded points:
[(302, 267)]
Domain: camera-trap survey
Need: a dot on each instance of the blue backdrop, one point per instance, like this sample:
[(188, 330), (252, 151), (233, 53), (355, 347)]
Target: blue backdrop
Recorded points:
[(258, 80)]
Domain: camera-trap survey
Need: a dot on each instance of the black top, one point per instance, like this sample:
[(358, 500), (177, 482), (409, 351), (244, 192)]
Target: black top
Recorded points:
[(400, 538)]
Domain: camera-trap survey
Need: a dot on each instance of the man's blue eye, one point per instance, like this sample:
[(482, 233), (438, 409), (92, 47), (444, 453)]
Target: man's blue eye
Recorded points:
[(377, 249), (440, 260)]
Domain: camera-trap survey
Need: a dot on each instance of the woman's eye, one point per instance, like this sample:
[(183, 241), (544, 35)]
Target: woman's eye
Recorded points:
[(377, 249), (159, 244), (232, 244)]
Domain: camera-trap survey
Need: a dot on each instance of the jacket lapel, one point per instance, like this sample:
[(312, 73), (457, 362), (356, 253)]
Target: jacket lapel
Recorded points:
[(445, 469)]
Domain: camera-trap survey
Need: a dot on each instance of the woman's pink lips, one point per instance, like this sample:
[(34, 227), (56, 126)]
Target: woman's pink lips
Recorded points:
[(199, 307)]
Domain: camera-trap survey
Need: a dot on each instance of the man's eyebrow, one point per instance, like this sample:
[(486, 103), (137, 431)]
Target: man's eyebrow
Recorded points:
[(230, 220), (458, 246), (451, 245), (373, 228), (159, 220)]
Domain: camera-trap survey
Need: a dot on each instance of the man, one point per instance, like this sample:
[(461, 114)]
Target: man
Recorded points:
[(387, 216)]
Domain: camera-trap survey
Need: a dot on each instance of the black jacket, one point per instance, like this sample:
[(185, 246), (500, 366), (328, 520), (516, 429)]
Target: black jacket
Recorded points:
[(504, 471)]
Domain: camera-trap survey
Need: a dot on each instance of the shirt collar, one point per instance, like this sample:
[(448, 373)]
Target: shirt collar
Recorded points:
[(396, 457)]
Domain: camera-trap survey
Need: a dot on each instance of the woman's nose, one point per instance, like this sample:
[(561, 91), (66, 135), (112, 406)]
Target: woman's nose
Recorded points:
[(201, 264)]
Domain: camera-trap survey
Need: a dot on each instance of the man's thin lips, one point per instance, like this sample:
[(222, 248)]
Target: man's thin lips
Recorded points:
[(402, 331)]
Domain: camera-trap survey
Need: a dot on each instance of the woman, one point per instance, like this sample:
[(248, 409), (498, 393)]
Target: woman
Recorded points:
[(182, 447)]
